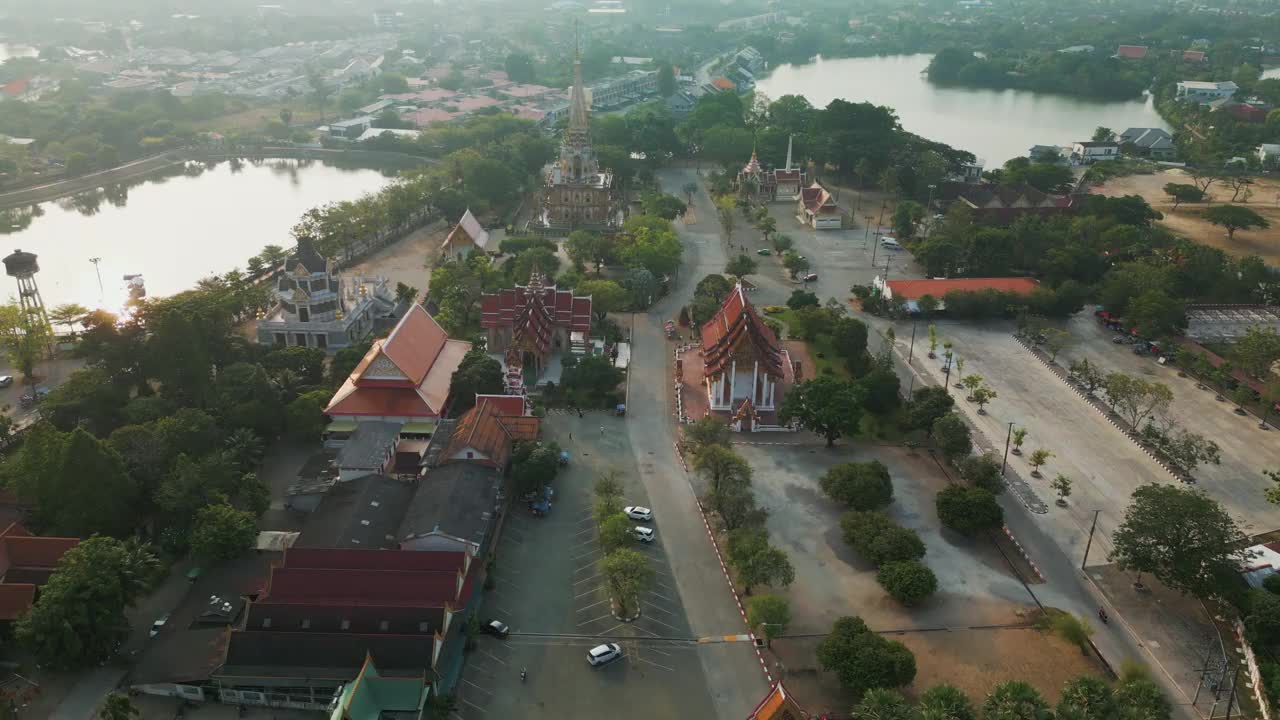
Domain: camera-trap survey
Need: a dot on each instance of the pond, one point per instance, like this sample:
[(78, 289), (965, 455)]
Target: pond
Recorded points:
[(189, 222), (995, 125)]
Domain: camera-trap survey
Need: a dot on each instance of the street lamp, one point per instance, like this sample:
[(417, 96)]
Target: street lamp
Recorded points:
[(1004, 463), (98, 270), (928, 211)]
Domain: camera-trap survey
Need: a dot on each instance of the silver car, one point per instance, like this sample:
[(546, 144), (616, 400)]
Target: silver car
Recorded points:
[(606, 653)]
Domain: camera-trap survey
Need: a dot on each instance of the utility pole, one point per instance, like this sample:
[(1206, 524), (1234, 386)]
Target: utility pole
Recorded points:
[(880, 222), (1005, 463), (867, 235), (1231, 699), (98, 270), (928, 212), (1089, 543), (912, 350)]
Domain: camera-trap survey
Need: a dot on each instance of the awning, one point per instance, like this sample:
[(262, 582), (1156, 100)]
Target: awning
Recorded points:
[(418, 427), (341, 426)]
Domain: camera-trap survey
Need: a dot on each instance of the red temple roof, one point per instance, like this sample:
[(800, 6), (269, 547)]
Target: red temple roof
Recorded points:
[(737, 321), (382, 578), (916, 289), (1133, 52), (510, 308)]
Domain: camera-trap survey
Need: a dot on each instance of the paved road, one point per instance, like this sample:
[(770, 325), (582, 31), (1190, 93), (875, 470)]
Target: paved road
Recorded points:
[(734, 676)]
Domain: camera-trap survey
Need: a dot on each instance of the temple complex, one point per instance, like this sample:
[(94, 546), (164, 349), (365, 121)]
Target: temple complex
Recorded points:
[(745, 367), (577, 193), (528, 324)]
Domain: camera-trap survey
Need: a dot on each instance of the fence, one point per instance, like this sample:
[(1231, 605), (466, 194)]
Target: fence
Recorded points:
[(1255, 673)]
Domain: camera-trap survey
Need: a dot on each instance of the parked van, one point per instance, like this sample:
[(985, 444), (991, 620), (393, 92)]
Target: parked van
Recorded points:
[(889, 243)]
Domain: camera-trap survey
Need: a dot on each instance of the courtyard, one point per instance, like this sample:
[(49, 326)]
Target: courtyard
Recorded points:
[(972, 632)]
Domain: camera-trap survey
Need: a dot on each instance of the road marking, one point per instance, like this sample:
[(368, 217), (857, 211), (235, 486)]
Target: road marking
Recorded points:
[(724, 639), (593, 577), (584, 530), (588, 622), (643, 659), (495, 657), (587, 592), (468, 702), (664, 597), (650, 617), (588, 553), (598, 602), (486, 692), (503, 611), (664, 611)]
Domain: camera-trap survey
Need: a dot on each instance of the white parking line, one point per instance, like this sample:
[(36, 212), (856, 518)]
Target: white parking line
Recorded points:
[(588, 528), (659, 608), (468, 702), (588, 622), (588, 592), (601, 602), (486, 692), (643, 659), (664, 597), (588, 553), (673, 627), (484, 670), (495, 657), (593, 577), (503, 611)]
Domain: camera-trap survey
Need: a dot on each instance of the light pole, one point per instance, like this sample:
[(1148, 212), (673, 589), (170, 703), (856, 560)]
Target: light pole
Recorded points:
[(1089, 543), (98, 271), (928, 212), (880, 222), (1005, 463), (867, 234), (912, 350)]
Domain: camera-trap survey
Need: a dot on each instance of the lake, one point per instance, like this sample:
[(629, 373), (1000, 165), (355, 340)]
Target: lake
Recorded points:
[(189, 224), (995, 125)]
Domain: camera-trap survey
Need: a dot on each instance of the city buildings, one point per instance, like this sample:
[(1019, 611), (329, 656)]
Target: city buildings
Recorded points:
[(1205, 92)]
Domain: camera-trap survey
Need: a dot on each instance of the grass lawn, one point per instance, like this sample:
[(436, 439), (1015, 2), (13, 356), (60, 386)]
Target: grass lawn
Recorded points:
[(820, 350)]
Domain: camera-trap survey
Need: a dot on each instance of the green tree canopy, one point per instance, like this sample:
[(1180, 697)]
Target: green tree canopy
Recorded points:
[(859, 485), (1181, 536), (969, 510), (222, 533), (863, 660), (825, 405), (477, 374), (1235, 217)]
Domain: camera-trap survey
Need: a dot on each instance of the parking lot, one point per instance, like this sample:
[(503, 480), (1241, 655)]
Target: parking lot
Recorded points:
[(549, 590), (1237, 482)]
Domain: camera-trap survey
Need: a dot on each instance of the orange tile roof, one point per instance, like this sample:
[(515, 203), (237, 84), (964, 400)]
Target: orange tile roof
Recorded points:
[(480, 430), (916, 289), (735, 320), (15, 599), (724, 83), (778, 705)]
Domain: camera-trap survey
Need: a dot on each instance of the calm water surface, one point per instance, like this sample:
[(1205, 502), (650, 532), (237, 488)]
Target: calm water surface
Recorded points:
[(175, 230), (995, 125)]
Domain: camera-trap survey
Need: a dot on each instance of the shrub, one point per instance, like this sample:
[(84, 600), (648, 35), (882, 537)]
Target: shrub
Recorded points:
[(863, 660), (968, 510), (1262, 622), (983, 471), (1271, 583), (908, 581), (771, 611), (876, 537), (859, 486), (1074, 630)]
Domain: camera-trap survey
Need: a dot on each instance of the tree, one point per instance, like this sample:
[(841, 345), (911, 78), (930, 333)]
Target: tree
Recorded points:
[(118, 706), (1181, 536), (969, 382), (1156, 314), (606, 296), (79, 617), (1038, 458), (520, 67), (824, 405), (1235, 217), (952, 436), (1014, 700), (772, 613), (983, 395), (477, 374), (1061, 484), (946, 702), (666, 80), (802, 299), (1180, 193), (68, 314), (1055, 340), (1087, 698), (795, 263), (714, 286), (1074, 630), (758, 562), (628, 574), (1135, 399), (879, 539), (1087, 374), (1103, 134), (782, 243), (607, 485), (1142, 699), (1257, 351), (882, 704), (615, 531), (859, 486), (910, 582), (588, 248), (863, 660), (721, 467), (535, 464), (304, 418), (222, 533), (663, 205), (927, 405), (904, 218), (969, 510), (593, 381), (768, 226), (982, 471), (705, 432), (740, 266)]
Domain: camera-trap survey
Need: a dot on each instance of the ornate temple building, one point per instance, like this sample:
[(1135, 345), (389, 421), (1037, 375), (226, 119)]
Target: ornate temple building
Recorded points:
[(316, 307), (577, 193), (528, 323), (745, 367)]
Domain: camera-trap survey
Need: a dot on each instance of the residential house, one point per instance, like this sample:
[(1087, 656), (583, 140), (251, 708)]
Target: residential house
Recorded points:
[(404, 378), (1246, 112), (753, 22), (817, 208), (374, 133), (681, 104), (1091, 151), (746, 370), (316, 307), (723, 84), (483, 435), (1269, 155), (1205, 92), (1131, 52), (351, 128), (26, 563), (1194, 56), (467, 236), (626, 90), (1003, 204), (909, 292), (369, 450), (1154, 143)]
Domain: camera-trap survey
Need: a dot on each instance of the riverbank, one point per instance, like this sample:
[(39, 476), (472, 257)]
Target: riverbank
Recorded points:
[(154, 163)]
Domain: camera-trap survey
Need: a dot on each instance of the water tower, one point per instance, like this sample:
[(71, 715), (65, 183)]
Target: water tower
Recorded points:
[(23, 266)]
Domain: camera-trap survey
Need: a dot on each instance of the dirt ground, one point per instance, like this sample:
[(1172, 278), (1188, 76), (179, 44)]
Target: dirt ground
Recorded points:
[(1187, 221), (408, 260), (972, 660)]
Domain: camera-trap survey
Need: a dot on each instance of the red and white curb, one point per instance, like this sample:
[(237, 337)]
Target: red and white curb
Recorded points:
[(1023, 552), (1062, 375)]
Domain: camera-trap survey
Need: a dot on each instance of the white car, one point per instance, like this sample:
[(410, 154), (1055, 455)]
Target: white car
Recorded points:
[(643, 534), (811, 277), (158, 625), (635, 512), (601, 654)]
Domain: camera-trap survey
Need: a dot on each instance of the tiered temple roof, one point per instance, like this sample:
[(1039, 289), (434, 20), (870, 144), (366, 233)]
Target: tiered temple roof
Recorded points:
[(734, 324)]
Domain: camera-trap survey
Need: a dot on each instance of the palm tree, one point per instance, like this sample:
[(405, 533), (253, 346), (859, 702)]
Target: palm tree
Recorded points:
[(68, 314), (118, 707), (945, 702)]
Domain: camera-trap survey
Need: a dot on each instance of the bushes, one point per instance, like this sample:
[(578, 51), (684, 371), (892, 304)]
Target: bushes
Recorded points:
[(859, 486), (968, 510), (982, 471), (863, 660), (908, 581), (1262, 622), (876, 537)]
